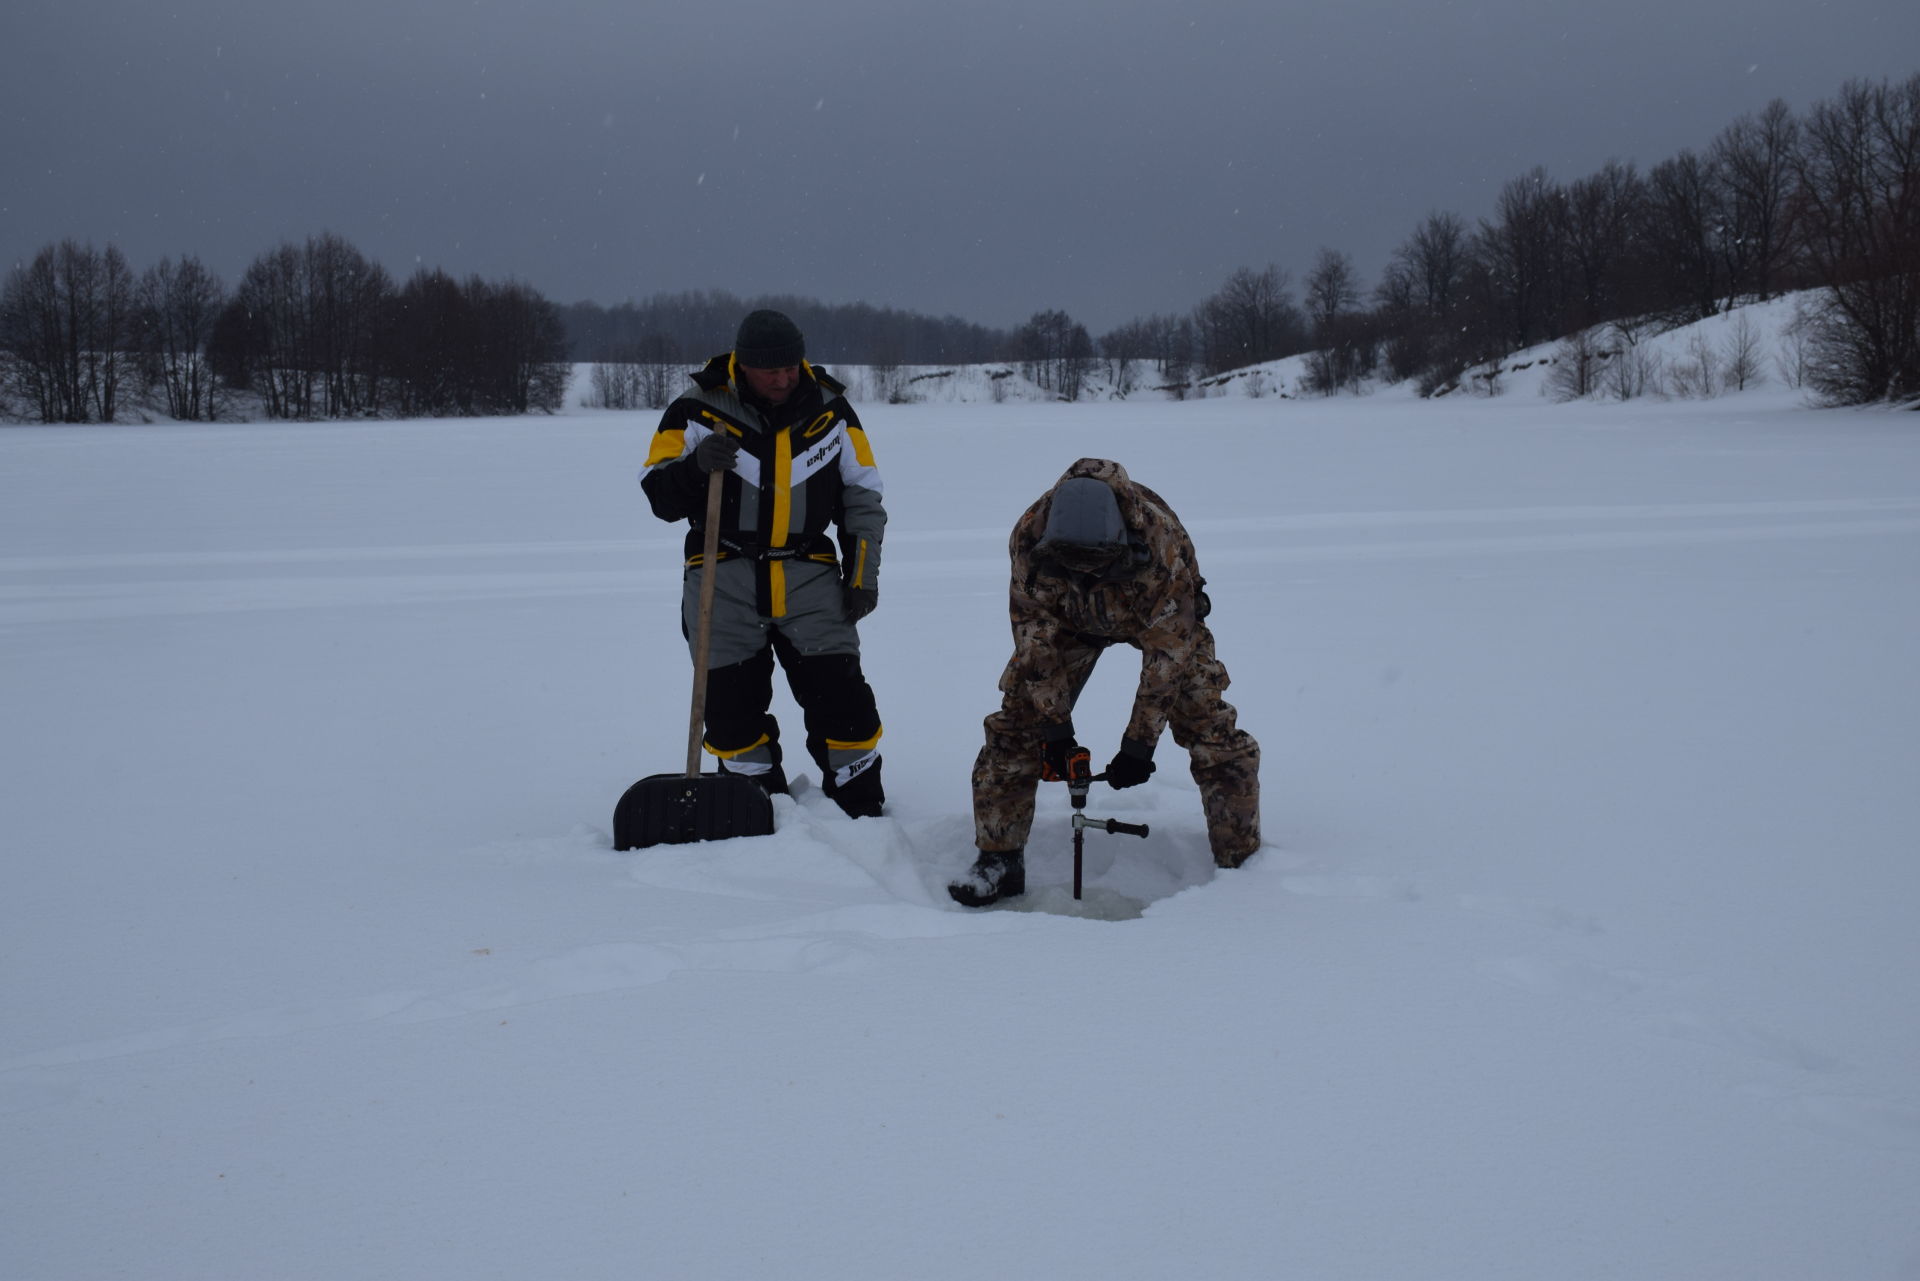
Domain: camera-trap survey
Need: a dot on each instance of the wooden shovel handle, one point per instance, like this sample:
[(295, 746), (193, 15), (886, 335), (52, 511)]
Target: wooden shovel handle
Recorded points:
[(703, 627)]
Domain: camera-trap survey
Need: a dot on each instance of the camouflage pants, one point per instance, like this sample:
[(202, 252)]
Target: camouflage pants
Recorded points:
[(1223, 759)]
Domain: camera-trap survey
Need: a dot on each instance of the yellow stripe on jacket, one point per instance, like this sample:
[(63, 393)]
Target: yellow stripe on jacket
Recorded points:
[(782, 520), (668, 444)]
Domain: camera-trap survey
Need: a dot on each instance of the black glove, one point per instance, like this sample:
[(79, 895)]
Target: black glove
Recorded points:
[(716, 452), (860, 602), (1129, 767), (1067, 761)]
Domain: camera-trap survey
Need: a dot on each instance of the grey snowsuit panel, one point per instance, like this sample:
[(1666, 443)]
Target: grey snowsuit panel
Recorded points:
[(815, 621)]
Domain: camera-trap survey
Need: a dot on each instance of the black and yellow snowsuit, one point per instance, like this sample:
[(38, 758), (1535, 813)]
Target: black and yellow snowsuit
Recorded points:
[(804, 467)]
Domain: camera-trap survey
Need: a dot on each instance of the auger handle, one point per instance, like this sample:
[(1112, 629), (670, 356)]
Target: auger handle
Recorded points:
[(1112, 825)]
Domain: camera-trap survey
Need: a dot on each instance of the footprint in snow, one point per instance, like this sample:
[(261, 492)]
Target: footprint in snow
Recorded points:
[(1333, 885), (1750, 1040), (1514, 909), (1878, 1123), (1556, 978)]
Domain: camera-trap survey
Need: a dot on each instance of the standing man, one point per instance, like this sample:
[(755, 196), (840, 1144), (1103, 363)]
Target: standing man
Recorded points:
[(1100, 559), (794, 460)]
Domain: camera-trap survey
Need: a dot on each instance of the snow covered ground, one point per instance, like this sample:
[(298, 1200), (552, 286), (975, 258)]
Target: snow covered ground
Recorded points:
[(1584, 944)]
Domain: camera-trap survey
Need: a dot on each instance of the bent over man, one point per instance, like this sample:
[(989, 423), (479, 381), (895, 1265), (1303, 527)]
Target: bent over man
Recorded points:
[(1097, 560), (795, 460)]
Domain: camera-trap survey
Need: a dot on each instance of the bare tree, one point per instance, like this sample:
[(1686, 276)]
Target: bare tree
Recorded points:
[(1634, 369), (1486, 378), (1435, 258), (275, 316), (1696, 374), (1331, 293), (1124, 350), (475, 347), (1174, 347), (1794, 357), (308, 328), (1577, 364), (110, 342), (67, 319), (886, 378), (1682, 229), (431, 346), (1859, 184), (1741, 353), (1755, 157), (1419, 296), (1397, 292), (526, 345), (1171, 344), (1520, 249), (612, 382), (178, 304), (40, 374), (662, 371), (1249, 320), (1332, 288), (347, 297), (1600, 216), (1055, 353)]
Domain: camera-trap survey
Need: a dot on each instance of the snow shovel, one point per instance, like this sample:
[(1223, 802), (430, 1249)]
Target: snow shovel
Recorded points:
[(675, 809)]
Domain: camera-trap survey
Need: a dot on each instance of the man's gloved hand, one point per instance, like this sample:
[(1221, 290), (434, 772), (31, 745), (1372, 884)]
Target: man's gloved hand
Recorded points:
[(1130, 766), (716, 452), (1067, 761), (860, 601)]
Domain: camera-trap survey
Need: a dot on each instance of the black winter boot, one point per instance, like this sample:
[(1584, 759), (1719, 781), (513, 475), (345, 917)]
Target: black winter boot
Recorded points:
[(860, 796), (773, 782), (995, 875)]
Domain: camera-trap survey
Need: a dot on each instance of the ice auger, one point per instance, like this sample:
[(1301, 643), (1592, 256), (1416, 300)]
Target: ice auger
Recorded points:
[(1077, 785)]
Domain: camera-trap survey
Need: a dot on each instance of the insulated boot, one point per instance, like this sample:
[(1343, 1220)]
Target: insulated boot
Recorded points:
[(860, 796), (773, 782), (995, 875)]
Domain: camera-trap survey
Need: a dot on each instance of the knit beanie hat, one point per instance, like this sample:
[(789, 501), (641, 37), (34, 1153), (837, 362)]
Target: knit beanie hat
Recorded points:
[(768, 340)]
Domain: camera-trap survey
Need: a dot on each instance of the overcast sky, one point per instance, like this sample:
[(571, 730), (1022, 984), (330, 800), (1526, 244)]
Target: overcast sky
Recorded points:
[(985, 159)]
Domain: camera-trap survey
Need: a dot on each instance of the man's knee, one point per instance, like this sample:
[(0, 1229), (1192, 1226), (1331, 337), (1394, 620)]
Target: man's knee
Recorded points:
[(1234, 752), (1012, 742), (736, 708), (834, 692)]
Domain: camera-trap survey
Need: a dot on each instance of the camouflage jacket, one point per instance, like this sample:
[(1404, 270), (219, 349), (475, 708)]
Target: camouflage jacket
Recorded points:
[(1153, 603)]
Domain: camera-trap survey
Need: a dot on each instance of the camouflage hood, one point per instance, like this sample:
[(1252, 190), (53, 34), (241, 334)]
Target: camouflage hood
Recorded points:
[(1114, 477), (1091, 520)]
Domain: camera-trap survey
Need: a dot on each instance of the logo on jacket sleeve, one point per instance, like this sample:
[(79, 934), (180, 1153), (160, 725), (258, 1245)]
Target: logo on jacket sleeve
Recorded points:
[(821, 455)]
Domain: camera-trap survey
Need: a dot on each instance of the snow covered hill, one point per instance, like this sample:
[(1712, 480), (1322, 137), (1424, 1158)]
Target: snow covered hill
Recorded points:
[(1756, 351), (1582, 946)]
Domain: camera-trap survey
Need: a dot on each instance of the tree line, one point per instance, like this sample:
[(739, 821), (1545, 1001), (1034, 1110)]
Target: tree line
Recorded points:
[(1826, 201), (312, 330), (696, 324)]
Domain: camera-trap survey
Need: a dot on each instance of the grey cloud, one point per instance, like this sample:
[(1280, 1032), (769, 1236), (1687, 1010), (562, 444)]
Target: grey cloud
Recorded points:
[(986, 160)]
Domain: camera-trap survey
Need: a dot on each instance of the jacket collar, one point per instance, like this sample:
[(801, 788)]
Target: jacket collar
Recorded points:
[(719, 372)]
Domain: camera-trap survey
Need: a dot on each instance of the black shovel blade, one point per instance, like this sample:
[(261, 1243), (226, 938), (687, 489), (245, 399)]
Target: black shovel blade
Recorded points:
[(673, 809)]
